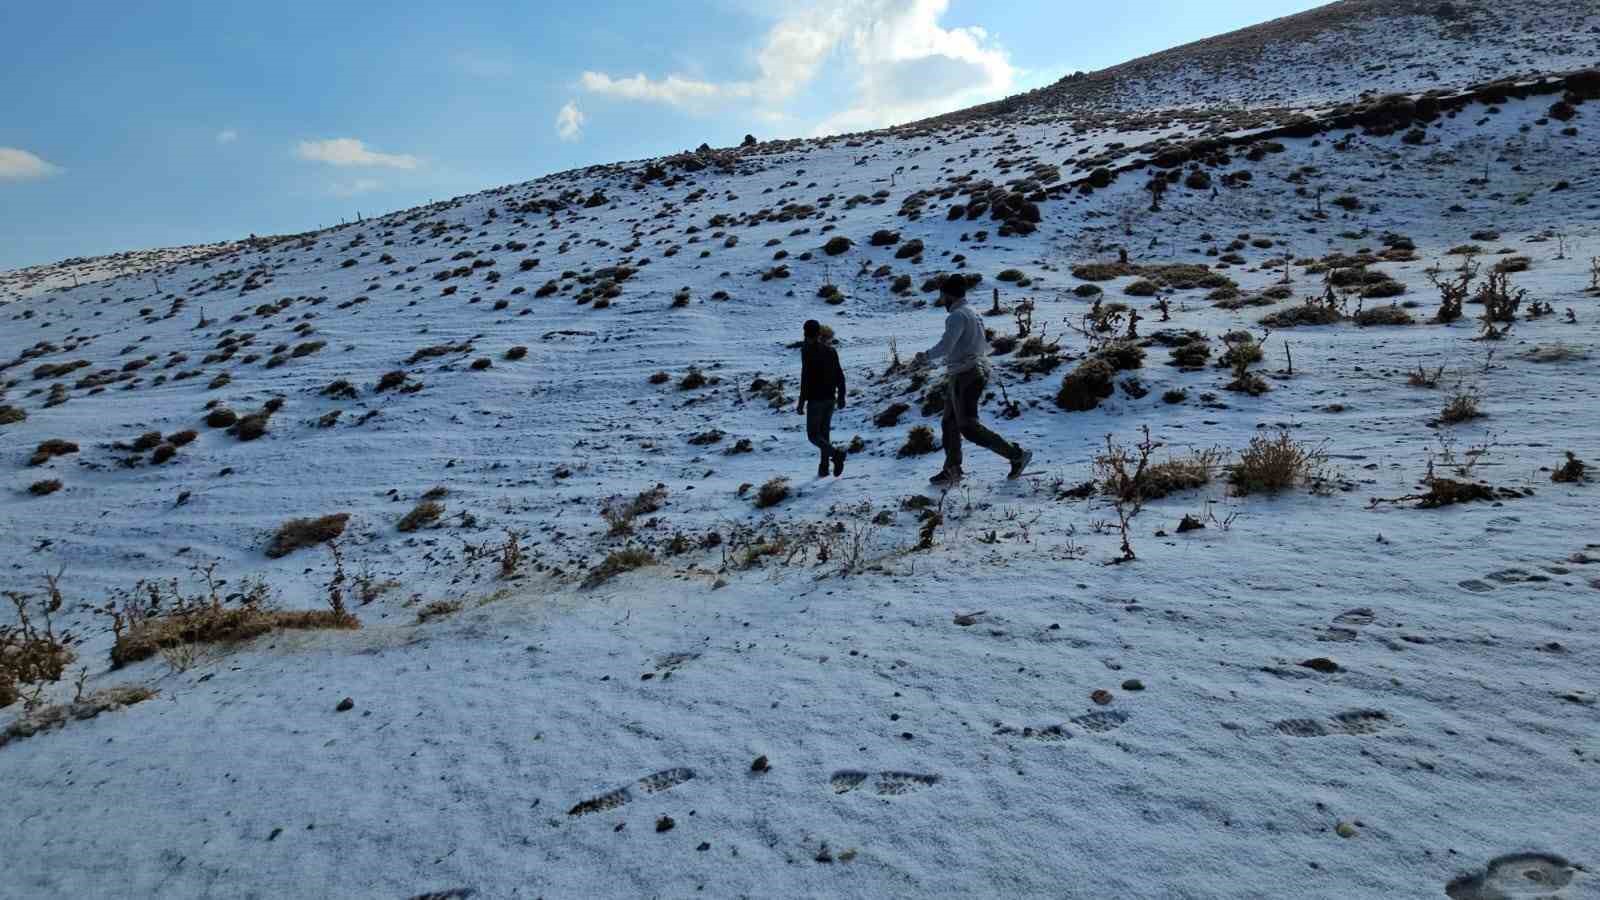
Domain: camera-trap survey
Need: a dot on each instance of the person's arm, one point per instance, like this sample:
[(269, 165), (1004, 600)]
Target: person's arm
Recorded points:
[(838, 374), (952, 333), (805, 364)]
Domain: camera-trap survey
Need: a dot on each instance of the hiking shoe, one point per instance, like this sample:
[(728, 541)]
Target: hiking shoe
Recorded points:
[(838, 462), (822, 468), (946, 478), (1020, 464)]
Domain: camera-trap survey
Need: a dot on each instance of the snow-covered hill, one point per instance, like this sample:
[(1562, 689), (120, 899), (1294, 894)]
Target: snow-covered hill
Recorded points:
[(1312, 695)]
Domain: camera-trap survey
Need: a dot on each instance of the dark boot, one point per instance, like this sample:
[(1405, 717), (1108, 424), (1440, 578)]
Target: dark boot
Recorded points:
[(948, 478), (822, 468), (838, 462)]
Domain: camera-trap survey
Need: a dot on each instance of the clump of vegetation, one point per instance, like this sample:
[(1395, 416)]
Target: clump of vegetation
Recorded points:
[(1311, 313), (1271, 465), (31, 652), (425, 513), (625, 560), (1192, 354), (390, 381), (619, 513), (1461, 407), (1123, 356), (1573, 471), (158, 617), (438, 609), (1171, 476), (11, 415), (221, 417), (516, 353), (1085, 386), (48, 450), (890, 416), (919, 442), (693, 380), (1143, 287), (45, 487), (1383, 315), (772, 493), (1243, 352), (297, 533)]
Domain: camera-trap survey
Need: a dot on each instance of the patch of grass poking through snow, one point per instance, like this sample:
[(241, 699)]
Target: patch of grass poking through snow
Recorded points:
[(1272, 465), (49, 718), (1572, 471), (11, 415), (422, 515), (1461, 407), (772, 493), (297, 533), (625, 560), (919, 442)]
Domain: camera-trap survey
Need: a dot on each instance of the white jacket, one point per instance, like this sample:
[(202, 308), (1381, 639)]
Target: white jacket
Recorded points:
[(965, 345)]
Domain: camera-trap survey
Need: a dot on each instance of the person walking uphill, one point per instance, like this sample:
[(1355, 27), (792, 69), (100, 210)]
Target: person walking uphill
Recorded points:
[(965, 350), (821, 380)]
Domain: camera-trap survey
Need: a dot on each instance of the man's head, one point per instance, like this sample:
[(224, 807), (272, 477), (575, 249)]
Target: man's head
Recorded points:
[(813, 329), (952, 291)]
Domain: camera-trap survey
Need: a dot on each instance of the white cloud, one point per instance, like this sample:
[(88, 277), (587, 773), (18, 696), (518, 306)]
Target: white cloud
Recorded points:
[(227, 136), (903, 63), (354, 188), (569, 122), (351, 152), (19, 164)]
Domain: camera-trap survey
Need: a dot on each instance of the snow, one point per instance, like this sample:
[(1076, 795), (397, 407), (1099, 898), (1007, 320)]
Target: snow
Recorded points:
[(1459, 727)]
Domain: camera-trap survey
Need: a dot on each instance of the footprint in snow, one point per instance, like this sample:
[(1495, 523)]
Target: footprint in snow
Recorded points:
[(1519, 875), (887, 784), (653, 783), (1353, 722)]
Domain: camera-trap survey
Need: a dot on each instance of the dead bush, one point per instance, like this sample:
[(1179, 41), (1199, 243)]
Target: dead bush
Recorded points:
[(31, 652), (1461, 407), (1084, 387), (159, 618), (11, 415), (693, 380), (48, 450), (425, 513), (625, 560), (919, 442), (1384, 315), (620, 512), (183, 438), (1271, 465), (772, 493), (1573, 471), (297, 533), (221, 417), (890, 416), (1308, 314), (438, 609), (45, 487)]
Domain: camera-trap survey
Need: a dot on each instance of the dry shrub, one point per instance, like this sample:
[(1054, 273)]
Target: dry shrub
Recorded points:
[(1384, 315), (50, 449), (1191, 355), (1307, 314), (297, 533), (516, 353), (625, 560), (1558, 352), (1175, 475), (1084, 387), (45, 487), (32, 653), (1461, 407), (1273, 465), (890, 417), (1123, 356), (423, 514), (11, 415), (1573, 471), (438, 609), (919, 442), (660, 378), (772, 493), (1102, 271), (55, 716), (183, 438), (221, 417), (158, 618), (693, 380), (619, 512), (390, 381)]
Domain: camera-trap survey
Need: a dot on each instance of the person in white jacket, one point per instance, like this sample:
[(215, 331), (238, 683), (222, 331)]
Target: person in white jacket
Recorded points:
[(965, 350)]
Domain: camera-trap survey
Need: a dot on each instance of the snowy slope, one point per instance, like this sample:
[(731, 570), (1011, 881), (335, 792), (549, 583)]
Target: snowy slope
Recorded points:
[(910, 755)]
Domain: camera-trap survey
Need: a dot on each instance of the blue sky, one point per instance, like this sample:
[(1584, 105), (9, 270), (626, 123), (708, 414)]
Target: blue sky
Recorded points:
[(131, 125)]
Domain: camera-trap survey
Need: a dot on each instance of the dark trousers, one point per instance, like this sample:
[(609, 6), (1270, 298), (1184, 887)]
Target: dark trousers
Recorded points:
[(962, 395), (819, 425)]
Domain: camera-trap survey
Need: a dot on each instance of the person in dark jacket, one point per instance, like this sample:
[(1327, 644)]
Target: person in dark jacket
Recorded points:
[(821, 381)]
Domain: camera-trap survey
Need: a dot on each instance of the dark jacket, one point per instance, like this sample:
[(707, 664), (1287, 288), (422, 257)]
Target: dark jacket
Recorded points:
[(821, 376)]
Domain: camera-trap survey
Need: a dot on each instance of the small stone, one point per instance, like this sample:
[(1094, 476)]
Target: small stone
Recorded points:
[(1133, 684), (824, 855), (760, 765), (664, 823), (704, 846), (1346, 830), (1321, 664), (345, 705), (1101, 698)]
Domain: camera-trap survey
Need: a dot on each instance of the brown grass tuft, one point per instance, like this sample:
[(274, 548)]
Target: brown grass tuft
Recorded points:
[(423, 514), (297, 533)]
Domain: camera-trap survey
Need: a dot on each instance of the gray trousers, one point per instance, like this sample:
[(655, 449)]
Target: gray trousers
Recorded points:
[(963, 392), (819, 425)]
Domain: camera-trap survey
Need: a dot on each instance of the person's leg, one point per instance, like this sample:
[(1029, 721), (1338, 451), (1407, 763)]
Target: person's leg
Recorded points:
[(970, 393), (951, 426), (819, 416)]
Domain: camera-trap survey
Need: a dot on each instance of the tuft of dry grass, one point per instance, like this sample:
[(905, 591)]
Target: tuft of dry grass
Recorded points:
[(1573, 471), (625, 560), (1461, 407), (1084, 387), (438, 609), (45, 487), (50, 449), (423, 514), (1273, 465), (1554, 353), (297, 533), (11, 415), (919, 442), (772, 493)]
